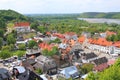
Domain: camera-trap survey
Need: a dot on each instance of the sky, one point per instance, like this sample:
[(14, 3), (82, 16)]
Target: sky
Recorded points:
[(60, 6)]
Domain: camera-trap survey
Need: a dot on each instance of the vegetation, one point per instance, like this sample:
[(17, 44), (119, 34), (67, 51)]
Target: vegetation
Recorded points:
[(38, 71), (112, 73), (5, 54), (57, 40), (22, 47), (52, 52), (113, 15), (32, 44), (86, 68)]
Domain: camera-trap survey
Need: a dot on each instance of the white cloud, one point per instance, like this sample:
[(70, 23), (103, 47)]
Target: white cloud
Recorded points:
[(60, 6)]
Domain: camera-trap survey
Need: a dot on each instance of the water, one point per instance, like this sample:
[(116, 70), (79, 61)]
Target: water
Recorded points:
[(101, 20)]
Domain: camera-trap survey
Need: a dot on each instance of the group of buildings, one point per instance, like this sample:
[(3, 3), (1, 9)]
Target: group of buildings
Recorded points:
[(71, 54)]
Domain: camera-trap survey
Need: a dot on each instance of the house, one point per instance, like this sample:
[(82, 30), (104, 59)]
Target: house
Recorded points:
[(5, 74), (88, 57), (22, 27), (70, 35), (33, 53), (100, 64), (100, 44), (47, 65), (69, 72), (61, 63), (81, 39), (21, 73), (111, 62)]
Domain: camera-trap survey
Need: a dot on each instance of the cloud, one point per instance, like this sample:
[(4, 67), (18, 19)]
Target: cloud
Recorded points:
[(60, 6)]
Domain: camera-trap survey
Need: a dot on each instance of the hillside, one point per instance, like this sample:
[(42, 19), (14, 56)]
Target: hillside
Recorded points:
[(112, 15), (10, 15)]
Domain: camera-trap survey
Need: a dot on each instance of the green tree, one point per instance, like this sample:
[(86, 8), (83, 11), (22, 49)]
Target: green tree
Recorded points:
[(11, 39), (19, 53), (5, 54), (21, 46), (87, 67), (1, 33), (32, 43), (7, 47), (1, 42)]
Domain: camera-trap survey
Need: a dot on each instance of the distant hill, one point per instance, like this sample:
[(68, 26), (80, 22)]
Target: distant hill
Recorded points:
[(10, 15), (112, 15)]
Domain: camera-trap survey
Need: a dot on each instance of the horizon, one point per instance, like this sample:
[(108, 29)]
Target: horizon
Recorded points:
[(60, 6)]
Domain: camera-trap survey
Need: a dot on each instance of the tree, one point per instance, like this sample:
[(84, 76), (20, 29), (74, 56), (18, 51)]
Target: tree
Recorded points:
[(32, 43), (50, 52), (11, 39), (19, 53), (7, 47), (112, 73), (1, 42), (86, 68), (21, 46), (1, 33), (5, 54)]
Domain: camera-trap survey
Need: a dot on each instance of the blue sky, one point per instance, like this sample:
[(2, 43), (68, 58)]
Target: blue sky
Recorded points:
[(61, 6)]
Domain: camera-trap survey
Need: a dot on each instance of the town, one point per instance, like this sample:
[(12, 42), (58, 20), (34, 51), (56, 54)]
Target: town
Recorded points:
[(57, 56)]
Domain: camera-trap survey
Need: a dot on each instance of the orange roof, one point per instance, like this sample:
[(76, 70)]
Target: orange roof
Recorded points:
[(116, 44), (81, 39), (48, 33), (45, 46), (110, 33), (70, 33), (22, 24), (100, 41), (59, 35)]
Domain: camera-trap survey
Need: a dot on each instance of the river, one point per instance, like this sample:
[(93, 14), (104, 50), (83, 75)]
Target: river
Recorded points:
[(101, 20)]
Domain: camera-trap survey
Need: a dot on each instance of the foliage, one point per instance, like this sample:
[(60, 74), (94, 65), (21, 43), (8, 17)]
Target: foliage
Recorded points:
[(115, 15), (21, 46), (11, 39), (87, 67), (39, 71), (1, 42), (1, 32), (19, 53), (32, 43), (7, 47), (5, 54), (112, 73), (57, 40), (51, 52)]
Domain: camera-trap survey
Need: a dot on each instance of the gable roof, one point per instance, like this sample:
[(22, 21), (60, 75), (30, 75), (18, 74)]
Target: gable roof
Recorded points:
[(109, 33), (89, 55), (81, 39), (100, 41), (22, 24), (4, 74), (100, 60), (101, 67), (69, 71)]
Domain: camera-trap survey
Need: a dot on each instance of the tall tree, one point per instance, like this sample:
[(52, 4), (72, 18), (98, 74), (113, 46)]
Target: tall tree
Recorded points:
[(11, 39)]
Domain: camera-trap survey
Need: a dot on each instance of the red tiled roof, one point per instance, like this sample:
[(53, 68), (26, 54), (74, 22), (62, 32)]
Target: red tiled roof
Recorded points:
[(101, 67), (59, 35), (117, 44), (110, 33), (48, 33), (45, 46), (70, 33), (22, 24), (100, 41), (111, 61), (81, 39)]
